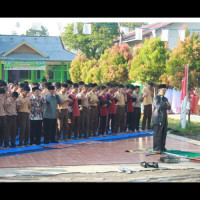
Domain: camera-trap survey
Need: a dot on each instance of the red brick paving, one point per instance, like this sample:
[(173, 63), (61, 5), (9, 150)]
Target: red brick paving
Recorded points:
[(96, 154)]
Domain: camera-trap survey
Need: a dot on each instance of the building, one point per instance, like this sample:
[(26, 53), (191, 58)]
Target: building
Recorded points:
[(173, 28), (28, 57)]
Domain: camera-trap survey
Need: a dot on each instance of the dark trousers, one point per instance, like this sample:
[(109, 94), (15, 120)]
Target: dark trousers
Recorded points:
[(129, 120), (159, 137), (147, 116), (93, 120), (136, 118), (49, 130), (62, 121), (36, 131), (120, 119), (110, 121), (2, 129), (24, 123), (11, 130), (84, 121), (102, 124)]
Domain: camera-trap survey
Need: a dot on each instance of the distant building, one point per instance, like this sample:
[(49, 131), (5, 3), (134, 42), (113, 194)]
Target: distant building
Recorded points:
[(173, 28), (26, 58)]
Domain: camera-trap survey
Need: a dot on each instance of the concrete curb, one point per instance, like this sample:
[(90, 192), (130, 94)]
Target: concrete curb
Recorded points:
[(177, 137)]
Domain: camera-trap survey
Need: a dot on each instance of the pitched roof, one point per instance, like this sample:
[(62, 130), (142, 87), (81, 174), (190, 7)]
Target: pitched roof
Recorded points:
[(146, 30), (49, 48)]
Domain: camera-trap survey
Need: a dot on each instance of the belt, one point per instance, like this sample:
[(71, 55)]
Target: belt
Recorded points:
[(120, 105)]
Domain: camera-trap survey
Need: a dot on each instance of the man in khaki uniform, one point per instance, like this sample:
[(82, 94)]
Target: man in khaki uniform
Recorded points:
[(24, 107), (93, 111), (120, 109), (147, 94), (62, 118)]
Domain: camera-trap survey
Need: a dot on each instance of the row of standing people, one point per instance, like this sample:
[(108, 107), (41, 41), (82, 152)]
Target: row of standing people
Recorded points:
[(58, 111)]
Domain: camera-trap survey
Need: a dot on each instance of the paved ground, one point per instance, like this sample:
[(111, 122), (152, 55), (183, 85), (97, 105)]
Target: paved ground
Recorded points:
[(101, 162)]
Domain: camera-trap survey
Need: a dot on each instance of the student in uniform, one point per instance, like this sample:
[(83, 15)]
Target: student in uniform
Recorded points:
[(2, 116), (111, 109), (62, 118), (93, 111), (147, 94), (24, 106), (75, 113), (137, 109), (129, 106), (11, 120), (103, 109), (50, 115), (120, 109), (37, 107), (84, 111)]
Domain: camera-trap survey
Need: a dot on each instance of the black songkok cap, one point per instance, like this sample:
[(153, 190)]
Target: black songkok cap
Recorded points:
[(162, 86), (51, 87)]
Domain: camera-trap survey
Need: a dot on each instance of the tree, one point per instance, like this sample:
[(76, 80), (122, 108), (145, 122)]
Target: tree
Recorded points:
[(34, 32), (115, 63), (87, 66), (149, 61), (187, 52), (92, 45), (76, 68)]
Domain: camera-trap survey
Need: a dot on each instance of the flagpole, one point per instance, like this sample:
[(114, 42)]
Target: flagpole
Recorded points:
[(185, 98)]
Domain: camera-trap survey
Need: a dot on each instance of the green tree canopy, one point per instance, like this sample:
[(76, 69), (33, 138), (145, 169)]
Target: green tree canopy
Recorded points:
[(92, 45), (76, 68), (34, 32), (115, 63), (149, 61)]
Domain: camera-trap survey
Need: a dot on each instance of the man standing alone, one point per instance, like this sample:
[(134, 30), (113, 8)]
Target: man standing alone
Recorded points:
[(159, 119)]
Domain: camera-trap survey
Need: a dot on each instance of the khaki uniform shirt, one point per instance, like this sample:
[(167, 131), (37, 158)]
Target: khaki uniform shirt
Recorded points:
[(84, 99), (63, 96), (11, 107), (149, 99), (2, 104), (93, 97), (26, 104), (121, 99)]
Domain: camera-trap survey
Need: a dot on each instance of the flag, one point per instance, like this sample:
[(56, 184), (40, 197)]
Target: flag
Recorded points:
[(181, 34), (75, 28), (164, 35), (138, 33), (87, 29), (124, 29), (153, 33), (184, 97), (17, 25)]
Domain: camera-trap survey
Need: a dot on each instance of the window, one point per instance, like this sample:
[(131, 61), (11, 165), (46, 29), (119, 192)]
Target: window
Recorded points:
[(24, 74)]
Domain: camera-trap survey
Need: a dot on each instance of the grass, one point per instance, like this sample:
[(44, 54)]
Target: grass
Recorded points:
[(192, 128)]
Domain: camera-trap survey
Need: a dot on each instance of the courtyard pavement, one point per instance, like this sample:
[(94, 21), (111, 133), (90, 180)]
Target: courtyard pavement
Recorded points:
[(94, 155)]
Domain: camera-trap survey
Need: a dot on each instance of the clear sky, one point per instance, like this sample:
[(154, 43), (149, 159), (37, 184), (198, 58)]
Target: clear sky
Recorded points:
[(55, 25)]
